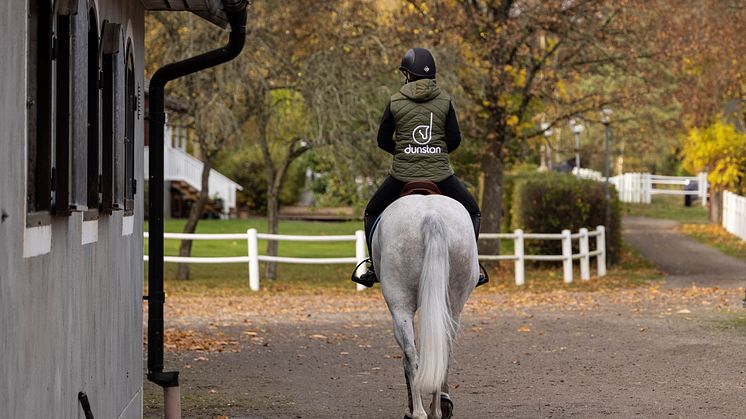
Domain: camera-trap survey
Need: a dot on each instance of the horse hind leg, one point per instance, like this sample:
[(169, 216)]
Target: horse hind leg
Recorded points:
[(404, 334), (441, 405)]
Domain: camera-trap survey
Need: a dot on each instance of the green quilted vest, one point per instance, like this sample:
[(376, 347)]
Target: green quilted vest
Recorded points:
[(420, 109)]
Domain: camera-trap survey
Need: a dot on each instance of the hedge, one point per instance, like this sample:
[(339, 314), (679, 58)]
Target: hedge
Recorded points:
[(552, 202)]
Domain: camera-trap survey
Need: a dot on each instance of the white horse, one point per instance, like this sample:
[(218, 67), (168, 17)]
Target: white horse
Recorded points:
[(425, 255)]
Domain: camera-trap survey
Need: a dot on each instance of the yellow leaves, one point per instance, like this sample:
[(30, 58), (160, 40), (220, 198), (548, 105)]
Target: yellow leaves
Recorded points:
[(191, 340), (512, 121), (719, 148), (561, 89), (520, 78)]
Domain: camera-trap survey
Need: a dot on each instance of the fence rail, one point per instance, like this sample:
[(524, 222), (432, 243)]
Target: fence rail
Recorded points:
[(734, 214), (640, 187), (518, 236)]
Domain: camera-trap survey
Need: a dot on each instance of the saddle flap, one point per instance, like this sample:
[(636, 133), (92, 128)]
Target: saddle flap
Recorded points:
[(420, 187)]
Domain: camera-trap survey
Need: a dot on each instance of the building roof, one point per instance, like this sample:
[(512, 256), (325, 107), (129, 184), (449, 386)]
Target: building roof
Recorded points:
[(212, 10)]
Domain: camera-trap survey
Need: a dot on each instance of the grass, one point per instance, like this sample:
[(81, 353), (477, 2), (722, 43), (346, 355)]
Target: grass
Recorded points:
[(669, 208), (286, 248), (716, 236), (232, 279), (631, 271)]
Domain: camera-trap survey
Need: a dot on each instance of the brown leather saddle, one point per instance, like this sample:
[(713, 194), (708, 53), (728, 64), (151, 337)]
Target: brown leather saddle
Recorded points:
[(420, 187)]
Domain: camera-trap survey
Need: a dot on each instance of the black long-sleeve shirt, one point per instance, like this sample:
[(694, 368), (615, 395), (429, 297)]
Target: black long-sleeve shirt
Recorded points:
[(388, 127)]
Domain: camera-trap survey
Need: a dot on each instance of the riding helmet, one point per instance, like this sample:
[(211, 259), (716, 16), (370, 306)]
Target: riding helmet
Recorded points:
[(419, 63)]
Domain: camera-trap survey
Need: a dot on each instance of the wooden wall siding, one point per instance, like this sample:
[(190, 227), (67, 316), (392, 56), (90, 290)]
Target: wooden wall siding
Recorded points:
[(70, 320)]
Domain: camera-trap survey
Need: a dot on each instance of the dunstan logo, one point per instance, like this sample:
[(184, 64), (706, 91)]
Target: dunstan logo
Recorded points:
[(422, 134)]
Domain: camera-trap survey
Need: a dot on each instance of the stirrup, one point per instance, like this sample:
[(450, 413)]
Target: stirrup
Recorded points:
[(483, 277), (368, 278)]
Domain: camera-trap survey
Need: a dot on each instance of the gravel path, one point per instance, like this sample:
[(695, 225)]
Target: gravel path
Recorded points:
[(657, 351), (685, 261)]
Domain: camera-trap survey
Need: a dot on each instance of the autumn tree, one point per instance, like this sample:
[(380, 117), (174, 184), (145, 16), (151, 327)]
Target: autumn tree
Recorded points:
[(208, 96), (520, 64)]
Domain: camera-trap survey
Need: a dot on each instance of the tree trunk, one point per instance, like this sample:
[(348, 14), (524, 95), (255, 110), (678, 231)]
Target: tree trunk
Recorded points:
[(195, 214), (715, 207), (492, 168), (273, 213)]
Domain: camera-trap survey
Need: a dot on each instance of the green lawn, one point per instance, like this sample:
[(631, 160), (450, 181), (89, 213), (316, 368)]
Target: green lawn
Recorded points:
[(670, 208), (214, 278)]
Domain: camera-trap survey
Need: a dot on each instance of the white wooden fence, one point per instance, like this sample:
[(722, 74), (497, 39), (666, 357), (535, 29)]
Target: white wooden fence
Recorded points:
[(640, 187), (734, 214), (567, 257), (518, 236)]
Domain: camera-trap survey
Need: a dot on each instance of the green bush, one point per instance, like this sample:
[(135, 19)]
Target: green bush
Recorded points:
[(511, 178), (552, 202)]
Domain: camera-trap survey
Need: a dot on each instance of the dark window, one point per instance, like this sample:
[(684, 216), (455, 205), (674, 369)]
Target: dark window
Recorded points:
[(110, 44), (39, 151), (62, 146), (94, 156), (130, 106)]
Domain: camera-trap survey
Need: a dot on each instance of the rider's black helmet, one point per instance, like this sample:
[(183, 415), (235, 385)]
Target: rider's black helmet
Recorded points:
[(419, 63)]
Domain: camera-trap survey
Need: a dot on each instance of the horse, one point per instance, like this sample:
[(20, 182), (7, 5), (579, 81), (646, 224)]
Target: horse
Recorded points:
[(425, 255)]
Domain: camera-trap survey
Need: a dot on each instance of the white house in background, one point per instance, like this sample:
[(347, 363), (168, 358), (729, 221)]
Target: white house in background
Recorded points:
[(71, 205), (182, 174)]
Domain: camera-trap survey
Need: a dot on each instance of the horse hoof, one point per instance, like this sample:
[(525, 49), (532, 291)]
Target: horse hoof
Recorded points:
[(446, 406)]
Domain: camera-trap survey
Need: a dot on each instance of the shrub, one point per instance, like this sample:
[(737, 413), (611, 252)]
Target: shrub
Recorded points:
[(552, 202)]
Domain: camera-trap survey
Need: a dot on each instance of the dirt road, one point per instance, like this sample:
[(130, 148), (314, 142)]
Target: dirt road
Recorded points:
[(668, 350), (682, 258)]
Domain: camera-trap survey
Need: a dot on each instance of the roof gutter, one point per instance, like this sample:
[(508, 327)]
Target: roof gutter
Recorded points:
[(236, 13)]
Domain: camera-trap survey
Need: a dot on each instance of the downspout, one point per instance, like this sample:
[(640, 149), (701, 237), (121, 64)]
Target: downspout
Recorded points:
[(236, 13)]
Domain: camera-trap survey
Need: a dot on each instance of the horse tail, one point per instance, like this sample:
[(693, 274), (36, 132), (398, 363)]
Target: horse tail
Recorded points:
[(436, 327)]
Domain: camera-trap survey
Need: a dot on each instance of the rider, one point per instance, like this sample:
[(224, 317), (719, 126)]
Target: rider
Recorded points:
[(419, 128)]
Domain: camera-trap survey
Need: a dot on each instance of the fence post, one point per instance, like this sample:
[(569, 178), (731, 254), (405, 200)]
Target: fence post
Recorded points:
[(648, 188), (601, 247), (702, 188), (360, 255), (520, 273), (253, 244), (585, 258), (567, 256)]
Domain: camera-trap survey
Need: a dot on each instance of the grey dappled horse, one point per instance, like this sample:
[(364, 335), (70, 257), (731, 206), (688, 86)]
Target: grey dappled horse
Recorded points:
[(425, 255)]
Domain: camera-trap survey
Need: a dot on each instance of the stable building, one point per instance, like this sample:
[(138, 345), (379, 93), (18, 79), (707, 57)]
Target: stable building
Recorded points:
[(71, 205)]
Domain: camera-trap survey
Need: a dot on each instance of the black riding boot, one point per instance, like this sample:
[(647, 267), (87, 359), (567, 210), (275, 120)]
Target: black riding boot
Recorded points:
[(368, 278), (483, 277)]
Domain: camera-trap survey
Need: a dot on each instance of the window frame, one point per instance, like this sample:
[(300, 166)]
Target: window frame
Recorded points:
[(63, 90), (111, 35), (130, 109), (39, 117), (93, 90)]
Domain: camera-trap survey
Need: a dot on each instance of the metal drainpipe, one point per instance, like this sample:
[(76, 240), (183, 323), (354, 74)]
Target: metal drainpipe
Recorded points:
[(236, 14)]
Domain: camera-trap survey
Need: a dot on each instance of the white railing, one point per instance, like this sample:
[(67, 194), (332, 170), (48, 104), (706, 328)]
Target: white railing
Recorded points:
[(584, 173), (734, 214), (253, 257), (178, 165), (518, 236), (567, 257), (640, 187)]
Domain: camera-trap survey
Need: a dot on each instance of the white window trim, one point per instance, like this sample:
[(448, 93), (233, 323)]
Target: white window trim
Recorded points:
[(37, 241), (128, 225), (89, 231)]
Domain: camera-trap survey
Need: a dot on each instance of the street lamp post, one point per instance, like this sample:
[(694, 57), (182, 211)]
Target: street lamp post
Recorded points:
[(546, 162), (577, 128), (606, 120)]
